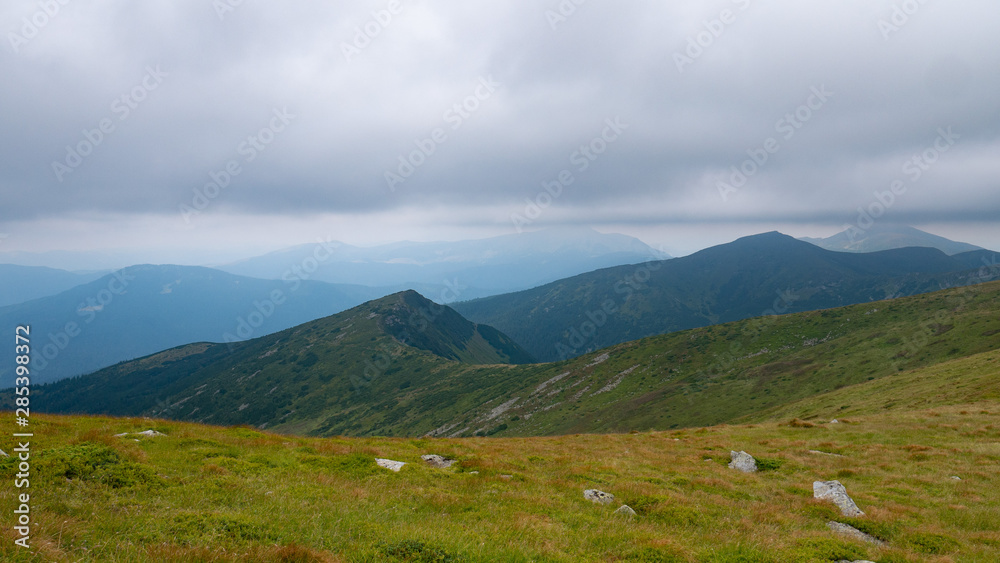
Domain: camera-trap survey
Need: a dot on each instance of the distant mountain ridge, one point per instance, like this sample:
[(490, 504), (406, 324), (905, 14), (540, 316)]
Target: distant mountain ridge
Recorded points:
[(888, 237), (770, 273), (465, 269), (145, 309), (24, 283)]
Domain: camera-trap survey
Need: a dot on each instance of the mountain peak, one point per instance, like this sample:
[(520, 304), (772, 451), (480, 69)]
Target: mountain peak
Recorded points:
[(888, 236)]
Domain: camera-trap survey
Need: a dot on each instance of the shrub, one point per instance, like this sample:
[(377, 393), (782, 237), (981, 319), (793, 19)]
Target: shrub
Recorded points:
[(95, 462), (417, 552)]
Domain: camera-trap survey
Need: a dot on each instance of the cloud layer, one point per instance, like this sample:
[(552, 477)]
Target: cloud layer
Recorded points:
[(731, 111)]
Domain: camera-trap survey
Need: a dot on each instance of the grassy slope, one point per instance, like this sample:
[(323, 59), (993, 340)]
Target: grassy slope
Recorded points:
[(301, 381), (234, 494)]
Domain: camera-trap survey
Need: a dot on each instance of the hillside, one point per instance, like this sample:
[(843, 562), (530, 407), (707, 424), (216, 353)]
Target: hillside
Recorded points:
[(347, 375), (753, 276), (24, 283), (925, 479), (887, 237), (345, 372), (146, 309)]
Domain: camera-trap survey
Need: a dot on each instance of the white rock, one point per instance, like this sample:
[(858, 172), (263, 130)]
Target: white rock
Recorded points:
[(851, 531), (601, 497), (835, 421), (835, 492), (743, 461), (625, 510), (389, 464), (150, 433), (956, 478), (437, 461)]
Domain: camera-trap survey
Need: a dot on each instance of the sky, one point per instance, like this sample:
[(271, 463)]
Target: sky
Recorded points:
[(203, 131)]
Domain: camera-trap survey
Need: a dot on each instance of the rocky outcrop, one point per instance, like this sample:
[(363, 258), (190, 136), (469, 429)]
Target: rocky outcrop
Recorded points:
[(148, 433), (851, 531), (437, 461), (835, 492), (743, 461), (625, 510), (600, 497), (390, 464)]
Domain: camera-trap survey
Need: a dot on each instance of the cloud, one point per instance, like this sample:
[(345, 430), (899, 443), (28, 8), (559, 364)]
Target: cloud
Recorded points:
[(369, 81)]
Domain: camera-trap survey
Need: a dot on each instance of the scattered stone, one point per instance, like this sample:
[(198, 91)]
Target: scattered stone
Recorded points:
[(437, 461), (389, 464), (817, 452), (953, 477), (506, 477), (743, 461), (858, 561), (473, 473), (851, 531), (593, 495), (625, 510), (835, 421), (835, 492), (150, 433)]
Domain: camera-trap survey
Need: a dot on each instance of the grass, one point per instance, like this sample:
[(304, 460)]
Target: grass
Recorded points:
[(235, 494)]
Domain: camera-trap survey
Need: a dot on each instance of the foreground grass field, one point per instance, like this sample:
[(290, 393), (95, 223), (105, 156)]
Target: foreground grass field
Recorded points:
[(234, 494)]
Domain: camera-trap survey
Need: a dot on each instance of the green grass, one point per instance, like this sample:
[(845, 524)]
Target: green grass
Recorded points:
[(205, 493)]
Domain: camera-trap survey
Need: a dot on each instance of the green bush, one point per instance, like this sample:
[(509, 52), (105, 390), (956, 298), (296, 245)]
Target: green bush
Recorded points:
[(933, 544), (417, 552), (738, 554), (827, 549), (95, 462)]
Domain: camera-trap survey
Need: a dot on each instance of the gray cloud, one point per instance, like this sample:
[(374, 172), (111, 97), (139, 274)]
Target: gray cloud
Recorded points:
[(224, 78)]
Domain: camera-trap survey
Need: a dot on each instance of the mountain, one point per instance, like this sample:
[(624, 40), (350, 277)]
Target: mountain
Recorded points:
[(145, 309), (758, 275), (374, 360), (447, 271), (888, 237), (24, 283), (404, 366)]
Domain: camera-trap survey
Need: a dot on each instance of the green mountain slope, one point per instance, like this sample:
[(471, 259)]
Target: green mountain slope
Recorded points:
[(347, 375), (753, 276)]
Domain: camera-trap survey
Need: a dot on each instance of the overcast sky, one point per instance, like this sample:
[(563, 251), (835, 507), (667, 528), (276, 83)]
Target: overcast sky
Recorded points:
[(303, 114)]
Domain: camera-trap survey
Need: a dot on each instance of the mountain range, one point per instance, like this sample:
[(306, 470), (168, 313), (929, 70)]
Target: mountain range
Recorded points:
[(759, 275), (405, 366), (888, 236), (457, 270), (144, 309)]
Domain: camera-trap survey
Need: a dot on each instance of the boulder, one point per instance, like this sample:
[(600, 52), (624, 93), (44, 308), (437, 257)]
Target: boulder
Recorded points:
[(593, 495), (389, 464), (437, 461), (743, 461), (836, 493), (149, 433), (625, 510), (851, 531)]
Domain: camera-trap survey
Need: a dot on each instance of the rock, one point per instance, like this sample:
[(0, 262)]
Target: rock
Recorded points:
[(835, 421), (389, 464), (836, 493), (150, 433), (743, 462), (625, 510), (473, 473), (851, 531), (506, 477), (437, 461), (594, 495), (817, 452), (953, 477)]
